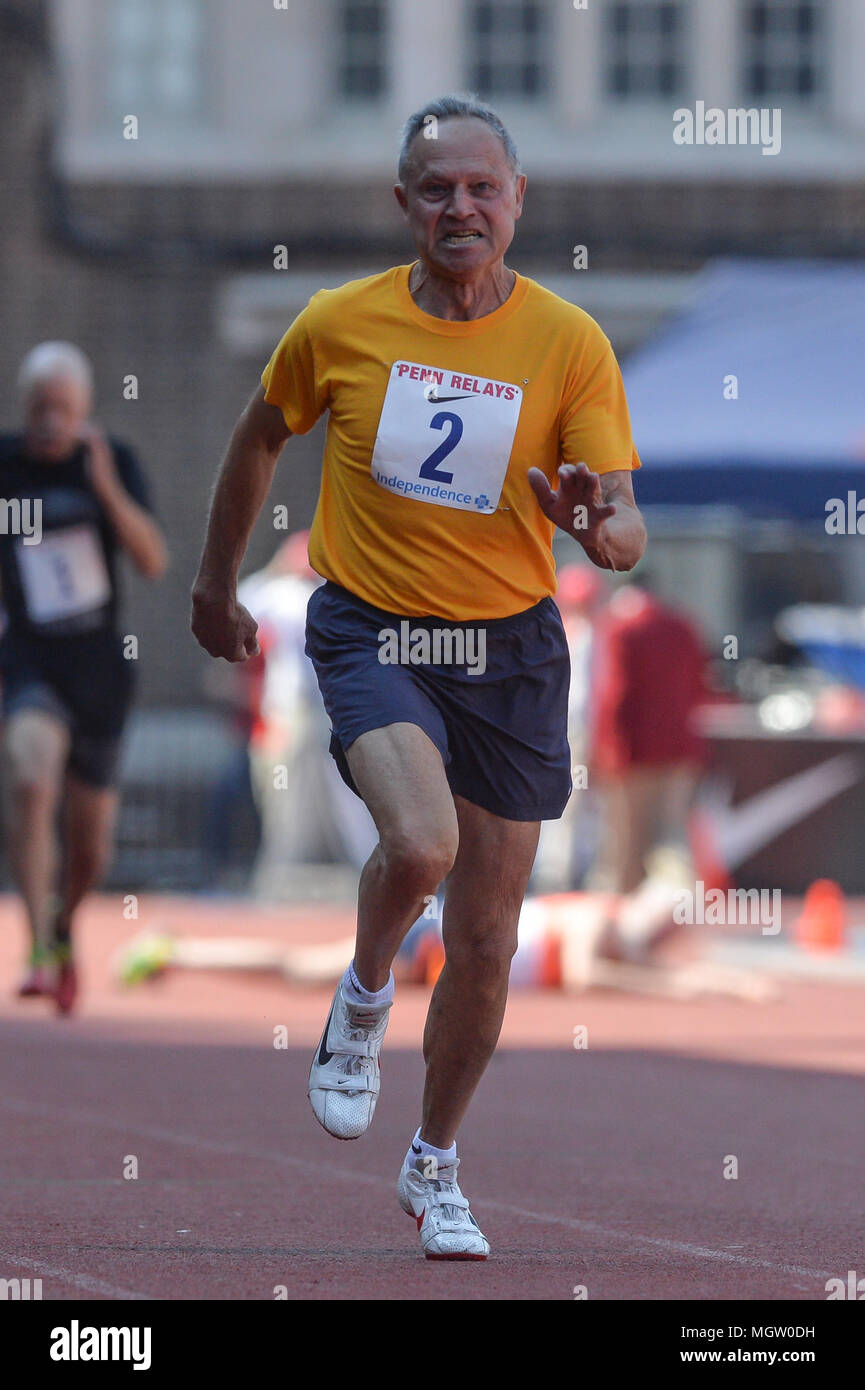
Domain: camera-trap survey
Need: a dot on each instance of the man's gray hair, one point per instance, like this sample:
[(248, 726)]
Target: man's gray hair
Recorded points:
[(48, 361), (441, 109)]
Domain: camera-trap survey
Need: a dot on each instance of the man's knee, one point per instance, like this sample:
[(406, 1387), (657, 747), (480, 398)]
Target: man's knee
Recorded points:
[(35, 749), (420, 860), (485, 955)]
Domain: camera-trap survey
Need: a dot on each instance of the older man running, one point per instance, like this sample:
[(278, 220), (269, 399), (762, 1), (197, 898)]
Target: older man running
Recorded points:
[(77, 499), (470, 413)]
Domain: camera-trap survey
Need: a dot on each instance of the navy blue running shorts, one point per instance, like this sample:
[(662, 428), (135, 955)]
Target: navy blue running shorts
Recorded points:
[(501, 731), (86, 685)]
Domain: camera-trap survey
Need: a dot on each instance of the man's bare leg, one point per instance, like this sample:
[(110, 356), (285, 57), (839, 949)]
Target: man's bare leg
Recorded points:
[(401, 776), (483, 898), (35, 749), (423, 831), (89, 818)]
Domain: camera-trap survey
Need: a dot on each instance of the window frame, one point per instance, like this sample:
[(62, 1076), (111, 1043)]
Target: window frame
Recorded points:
[(683, 79), (545, 57), (379, 43), (163, 117), (820, 96)]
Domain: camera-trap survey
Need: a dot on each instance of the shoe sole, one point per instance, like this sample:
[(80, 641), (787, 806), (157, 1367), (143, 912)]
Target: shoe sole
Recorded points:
[(343, 1138), (480, 1258)]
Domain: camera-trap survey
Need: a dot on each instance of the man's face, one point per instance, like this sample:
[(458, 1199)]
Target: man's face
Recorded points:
[(56, 412), (461, 199)]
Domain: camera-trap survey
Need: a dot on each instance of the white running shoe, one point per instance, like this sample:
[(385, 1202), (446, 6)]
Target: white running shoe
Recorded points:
[(448, 1231), (345, 1076)]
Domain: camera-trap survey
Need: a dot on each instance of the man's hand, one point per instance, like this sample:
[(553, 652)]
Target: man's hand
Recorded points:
[(99, 460), (578, 507), (598, 510), (223, 626), (132, 524)]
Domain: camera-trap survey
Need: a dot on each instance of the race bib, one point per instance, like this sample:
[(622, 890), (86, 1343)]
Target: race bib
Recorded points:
[(64, 574), (444, 437)]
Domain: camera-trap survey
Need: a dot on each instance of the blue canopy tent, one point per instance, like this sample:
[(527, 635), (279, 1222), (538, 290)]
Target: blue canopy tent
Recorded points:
[(793, 335), (833, 639)]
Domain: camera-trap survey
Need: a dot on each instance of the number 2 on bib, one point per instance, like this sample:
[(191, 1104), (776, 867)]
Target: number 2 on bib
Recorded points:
[(429, 467)]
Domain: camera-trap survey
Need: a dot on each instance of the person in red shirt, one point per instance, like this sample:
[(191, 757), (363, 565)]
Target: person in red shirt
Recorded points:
[(648, 681)]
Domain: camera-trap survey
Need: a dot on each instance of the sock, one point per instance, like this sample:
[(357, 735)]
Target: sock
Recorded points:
[(421, 1150), (356, 994)]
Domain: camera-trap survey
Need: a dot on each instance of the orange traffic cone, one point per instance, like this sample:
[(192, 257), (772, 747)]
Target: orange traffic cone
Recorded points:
[(821, 925), (432, 960)]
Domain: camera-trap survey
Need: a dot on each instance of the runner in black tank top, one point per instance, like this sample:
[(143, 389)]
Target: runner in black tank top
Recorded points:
[(70, 500)]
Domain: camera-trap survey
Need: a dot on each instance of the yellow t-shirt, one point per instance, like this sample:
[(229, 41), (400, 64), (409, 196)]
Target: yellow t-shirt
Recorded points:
[(425, 508)]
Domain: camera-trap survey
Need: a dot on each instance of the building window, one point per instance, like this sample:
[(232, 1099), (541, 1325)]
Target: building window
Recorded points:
[(363, 39), (645, 48), (509, 49), (783, 48), (156, 58)]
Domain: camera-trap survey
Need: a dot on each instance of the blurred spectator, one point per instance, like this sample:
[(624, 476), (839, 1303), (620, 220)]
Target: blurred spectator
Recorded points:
[(237, 690), (277, 596), (308, 815), (567, 846), (646, 754)]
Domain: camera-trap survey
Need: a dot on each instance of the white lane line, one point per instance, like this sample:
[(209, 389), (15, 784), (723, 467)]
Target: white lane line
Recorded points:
[(679, 1247), (68, 1276), (355, 1176), (171, 1136)]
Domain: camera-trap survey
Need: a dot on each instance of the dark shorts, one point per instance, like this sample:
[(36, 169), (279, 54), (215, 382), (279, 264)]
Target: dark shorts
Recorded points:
[(502, 733), (86, 686)]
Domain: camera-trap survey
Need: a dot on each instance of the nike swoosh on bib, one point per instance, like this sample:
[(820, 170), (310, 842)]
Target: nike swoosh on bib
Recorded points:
[(437, 400)]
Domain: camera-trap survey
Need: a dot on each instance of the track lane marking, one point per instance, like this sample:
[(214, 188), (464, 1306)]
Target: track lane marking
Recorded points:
[(353, 1176), (68, 1276)]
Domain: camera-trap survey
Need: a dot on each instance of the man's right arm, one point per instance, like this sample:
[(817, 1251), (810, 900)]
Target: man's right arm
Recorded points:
[(221, 624)]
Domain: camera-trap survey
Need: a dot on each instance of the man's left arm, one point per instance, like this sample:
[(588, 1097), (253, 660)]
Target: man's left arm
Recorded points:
[(598, 510), (133, 525)]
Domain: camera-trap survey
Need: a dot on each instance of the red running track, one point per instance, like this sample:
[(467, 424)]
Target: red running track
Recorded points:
[(600, 1167)]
